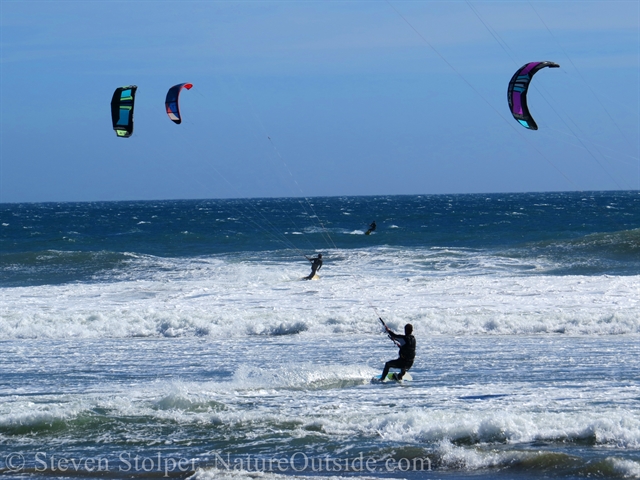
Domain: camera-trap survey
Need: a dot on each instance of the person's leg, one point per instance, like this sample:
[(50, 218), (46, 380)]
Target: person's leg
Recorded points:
[(388, 365), (385, 371), (403, 368)]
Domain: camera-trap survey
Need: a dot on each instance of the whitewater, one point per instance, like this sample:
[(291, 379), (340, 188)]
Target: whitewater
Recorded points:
[(235, 297), (178, 339)]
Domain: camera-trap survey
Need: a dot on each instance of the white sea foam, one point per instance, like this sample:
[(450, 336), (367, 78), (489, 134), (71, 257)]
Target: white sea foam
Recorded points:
[(230, 474), (344, 405), (476, 402), (230, 296), (625, 468)]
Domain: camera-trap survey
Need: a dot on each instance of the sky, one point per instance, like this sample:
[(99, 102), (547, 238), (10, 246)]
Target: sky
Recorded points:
[(316, 98)]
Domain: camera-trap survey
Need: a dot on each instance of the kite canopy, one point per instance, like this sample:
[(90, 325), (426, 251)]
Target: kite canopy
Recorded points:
[(122, 110), (171, 102), (517, 92)]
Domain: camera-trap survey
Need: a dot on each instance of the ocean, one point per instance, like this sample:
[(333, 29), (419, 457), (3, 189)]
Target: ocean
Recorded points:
[(178, 339)]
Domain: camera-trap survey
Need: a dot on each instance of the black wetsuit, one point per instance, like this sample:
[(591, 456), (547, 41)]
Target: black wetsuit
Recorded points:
[(372, 227), (404, 361), (316, 264)]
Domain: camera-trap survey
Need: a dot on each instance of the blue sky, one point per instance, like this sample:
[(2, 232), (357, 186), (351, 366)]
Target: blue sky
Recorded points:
[(358, 98)]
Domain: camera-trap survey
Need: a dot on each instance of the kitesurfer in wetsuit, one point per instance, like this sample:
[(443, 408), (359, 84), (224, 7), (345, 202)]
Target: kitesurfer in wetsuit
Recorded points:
[(316, 264), (407, 345), (372, 228)]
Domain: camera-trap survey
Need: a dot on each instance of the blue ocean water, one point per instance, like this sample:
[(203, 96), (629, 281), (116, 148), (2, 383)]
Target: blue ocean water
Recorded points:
[(177, 338), (585, 233)]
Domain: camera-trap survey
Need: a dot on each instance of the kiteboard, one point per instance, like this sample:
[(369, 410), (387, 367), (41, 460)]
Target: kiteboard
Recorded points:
[(315, 277), (392, 378)]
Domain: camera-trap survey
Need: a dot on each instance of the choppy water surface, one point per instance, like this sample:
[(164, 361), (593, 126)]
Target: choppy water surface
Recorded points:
[(144, 338), (504, 406)]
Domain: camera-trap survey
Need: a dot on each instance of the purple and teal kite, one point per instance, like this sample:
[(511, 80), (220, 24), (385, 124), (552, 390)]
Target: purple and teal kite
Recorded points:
[(517, 92)]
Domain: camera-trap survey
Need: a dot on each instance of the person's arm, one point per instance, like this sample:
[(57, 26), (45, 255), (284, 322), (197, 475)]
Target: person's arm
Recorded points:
[(390, 333)]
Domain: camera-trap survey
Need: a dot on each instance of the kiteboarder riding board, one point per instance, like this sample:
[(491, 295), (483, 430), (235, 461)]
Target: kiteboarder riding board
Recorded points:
[(392, 378), (372, 227)]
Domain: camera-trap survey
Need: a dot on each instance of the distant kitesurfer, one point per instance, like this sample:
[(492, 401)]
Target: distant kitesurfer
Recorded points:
[(372, 228), (407, 345), (316, 264)]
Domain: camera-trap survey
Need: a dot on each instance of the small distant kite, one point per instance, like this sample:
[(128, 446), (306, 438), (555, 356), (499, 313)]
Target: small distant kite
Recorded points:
[(171, 102), (517, 92), (122, 110)]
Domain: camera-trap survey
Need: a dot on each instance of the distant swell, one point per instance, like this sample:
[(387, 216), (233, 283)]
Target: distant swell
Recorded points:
[(599, 253), (55, 267)]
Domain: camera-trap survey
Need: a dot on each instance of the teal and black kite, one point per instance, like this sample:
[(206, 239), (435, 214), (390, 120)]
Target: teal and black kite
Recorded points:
[(122, 110)]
